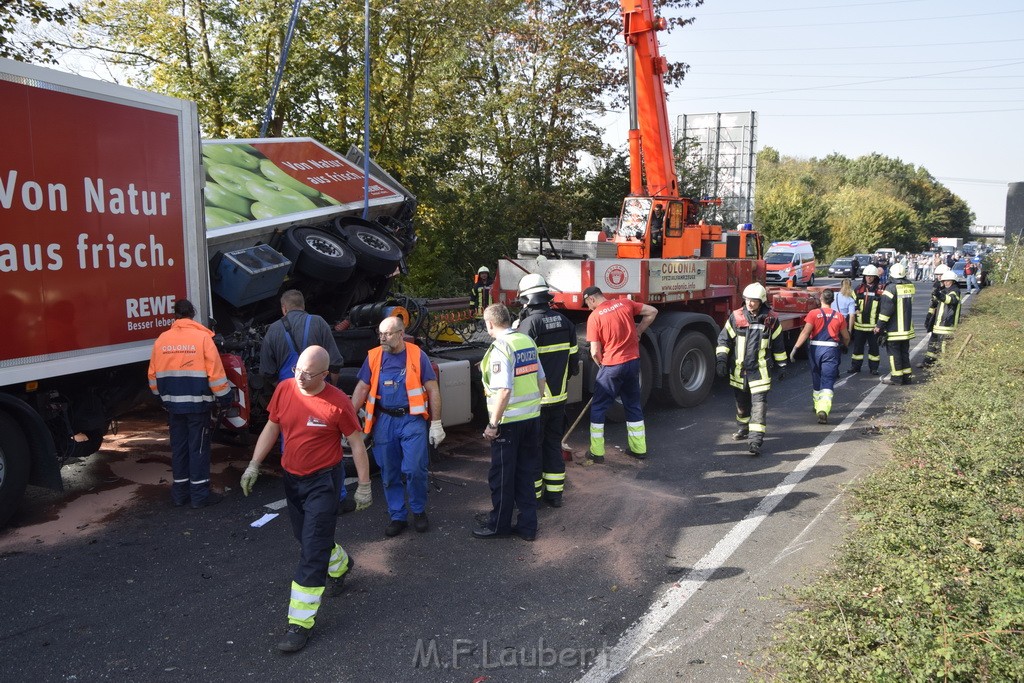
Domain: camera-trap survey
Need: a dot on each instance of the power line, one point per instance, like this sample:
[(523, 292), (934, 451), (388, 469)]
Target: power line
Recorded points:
[(859, 23), (762, 113), (973, 181), (804, 9), (860, 48), (957, 89), (860, 63)]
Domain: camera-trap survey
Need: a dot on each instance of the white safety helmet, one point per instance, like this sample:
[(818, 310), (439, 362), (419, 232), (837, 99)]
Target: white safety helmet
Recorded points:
[(534, 283), (940, 269), (898, 271), (948, 275), (870, 270), (755, 290), (483, 269)]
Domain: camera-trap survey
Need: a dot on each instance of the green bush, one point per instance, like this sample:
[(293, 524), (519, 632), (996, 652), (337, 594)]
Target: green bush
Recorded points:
[(930, 584)]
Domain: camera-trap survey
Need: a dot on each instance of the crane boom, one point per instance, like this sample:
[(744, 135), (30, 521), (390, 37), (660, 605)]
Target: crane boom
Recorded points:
[(650, 137)]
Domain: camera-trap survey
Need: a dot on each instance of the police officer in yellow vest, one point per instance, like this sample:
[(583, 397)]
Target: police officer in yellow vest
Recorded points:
[(894, 317), (513, 383)]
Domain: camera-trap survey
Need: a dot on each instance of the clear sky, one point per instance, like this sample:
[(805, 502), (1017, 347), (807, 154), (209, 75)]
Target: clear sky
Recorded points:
[(935, 83)]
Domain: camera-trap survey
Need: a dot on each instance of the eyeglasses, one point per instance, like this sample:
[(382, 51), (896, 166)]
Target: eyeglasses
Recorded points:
[(306, 375)]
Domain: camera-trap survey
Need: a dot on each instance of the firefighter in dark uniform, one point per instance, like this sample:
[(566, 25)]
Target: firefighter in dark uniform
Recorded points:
[(943, 316), (749, 335), (895, 318), (555, 336), (869, 296), (481, 293)]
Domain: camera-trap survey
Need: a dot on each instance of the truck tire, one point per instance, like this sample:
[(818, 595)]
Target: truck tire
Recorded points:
[(319, 254), (616, 413), (14, 467), (375, 252), (691, 370)]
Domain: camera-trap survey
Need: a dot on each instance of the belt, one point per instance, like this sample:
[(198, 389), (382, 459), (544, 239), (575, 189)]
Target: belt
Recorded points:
[(823, 343), (394, 412)]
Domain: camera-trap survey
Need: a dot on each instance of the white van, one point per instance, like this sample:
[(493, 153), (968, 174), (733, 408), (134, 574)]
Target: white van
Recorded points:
[(790, 263)]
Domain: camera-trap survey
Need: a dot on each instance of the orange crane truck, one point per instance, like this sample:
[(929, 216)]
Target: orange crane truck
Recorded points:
[(659, 253)]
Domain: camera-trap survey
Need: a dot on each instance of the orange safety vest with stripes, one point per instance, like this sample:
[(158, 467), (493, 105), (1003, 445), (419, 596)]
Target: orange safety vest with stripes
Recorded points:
[(413, 383)]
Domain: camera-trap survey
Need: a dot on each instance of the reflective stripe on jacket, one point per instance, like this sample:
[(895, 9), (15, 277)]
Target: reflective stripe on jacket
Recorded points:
[(413, 383), (867, 307), (749, 339), (896, 308), (520, 353), (185, 369), (947, 310), (555, 336)]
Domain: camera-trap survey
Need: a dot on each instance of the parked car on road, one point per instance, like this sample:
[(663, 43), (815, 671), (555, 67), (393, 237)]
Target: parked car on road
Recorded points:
[(844, 267), (864, 259)]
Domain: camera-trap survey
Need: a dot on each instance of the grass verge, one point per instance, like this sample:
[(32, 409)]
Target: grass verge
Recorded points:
[(929, 586)]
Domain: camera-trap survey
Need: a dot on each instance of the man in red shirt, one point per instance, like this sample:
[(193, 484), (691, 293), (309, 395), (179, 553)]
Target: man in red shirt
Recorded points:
[(313, 415), (615, 346), (826, 329)]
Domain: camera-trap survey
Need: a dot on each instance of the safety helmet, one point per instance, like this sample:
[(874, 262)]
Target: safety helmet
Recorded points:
[(534, 283), (755, 290), (948, 275), (483, 269), (940, 269), (870, 270), (898, 271)]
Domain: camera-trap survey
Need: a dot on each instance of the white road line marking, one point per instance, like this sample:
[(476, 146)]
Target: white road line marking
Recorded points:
[(687, 426), (615, 660)]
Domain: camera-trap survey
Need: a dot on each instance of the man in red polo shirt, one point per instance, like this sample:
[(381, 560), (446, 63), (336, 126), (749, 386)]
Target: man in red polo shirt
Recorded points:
[(615, 346), (826, 329), (313, 416)]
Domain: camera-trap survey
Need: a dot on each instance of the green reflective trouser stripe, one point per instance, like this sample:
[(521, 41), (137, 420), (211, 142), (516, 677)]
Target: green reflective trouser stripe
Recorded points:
[(303, 604), (596, 438), (743, 420), (338, 564), (636, 436), (823, 401), (754, 427), (554, 482), (538, 487)]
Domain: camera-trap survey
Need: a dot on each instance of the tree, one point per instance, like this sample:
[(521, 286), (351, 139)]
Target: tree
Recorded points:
[(25, 45)]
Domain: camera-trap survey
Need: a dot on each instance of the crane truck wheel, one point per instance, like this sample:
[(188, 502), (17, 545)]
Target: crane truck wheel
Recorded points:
[(691, 370), (14, 467), (616, 413), (375, 252), (319, 254)]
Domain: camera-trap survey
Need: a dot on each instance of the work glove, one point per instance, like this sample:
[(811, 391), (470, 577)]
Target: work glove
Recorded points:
[(792, 356), (782, 373), (721, 369), (364, 497), (249, 477), (436, 433)]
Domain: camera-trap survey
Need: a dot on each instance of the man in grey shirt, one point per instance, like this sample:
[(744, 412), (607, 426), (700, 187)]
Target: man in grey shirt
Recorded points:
[(275, 345)]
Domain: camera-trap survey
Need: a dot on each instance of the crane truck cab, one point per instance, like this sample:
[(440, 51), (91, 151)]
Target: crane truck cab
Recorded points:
[(790, 263)]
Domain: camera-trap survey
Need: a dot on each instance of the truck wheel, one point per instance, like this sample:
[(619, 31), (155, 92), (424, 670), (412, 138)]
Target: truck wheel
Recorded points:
[(375, 252), (616, 413), (691, 370), (14, 467), (319, 254)]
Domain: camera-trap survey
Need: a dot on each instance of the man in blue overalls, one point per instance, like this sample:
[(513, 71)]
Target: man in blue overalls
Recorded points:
[(399, 388), (826, 329)]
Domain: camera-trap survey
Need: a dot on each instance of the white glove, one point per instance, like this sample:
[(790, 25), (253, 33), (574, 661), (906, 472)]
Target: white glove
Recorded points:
[(436, 433), (249, 477), (364, 496)]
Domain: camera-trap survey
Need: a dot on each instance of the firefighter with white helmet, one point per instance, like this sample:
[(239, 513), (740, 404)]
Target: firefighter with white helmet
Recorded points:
[(555, 336), (481, 293), (750, 333), (869, 296), (943, 315), (895, 317)]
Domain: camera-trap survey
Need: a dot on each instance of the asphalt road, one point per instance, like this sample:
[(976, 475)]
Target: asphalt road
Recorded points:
[(675, 568)]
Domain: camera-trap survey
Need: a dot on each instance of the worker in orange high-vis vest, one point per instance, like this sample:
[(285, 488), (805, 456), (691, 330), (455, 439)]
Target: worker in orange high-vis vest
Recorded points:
[(186, 372), (398, 387)]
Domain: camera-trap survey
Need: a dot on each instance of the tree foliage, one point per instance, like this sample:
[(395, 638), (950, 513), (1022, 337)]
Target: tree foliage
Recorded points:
[(850, 206), (19, 18), (482, 108)]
